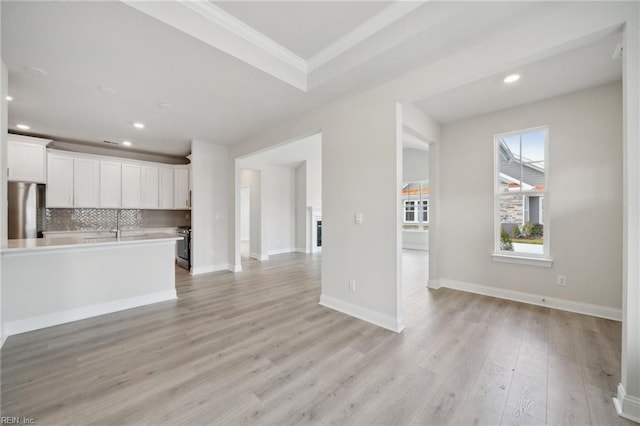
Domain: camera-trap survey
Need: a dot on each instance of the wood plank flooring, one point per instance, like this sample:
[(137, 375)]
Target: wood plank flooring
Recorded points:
[(256, 348)]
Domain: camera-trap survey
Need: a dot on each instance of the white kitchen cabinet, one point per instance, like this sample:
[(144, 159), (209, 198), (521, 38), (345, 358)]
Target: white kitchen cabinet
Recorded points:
[(131, 186), (150, 187), (86, 182), (181, 197), (59, 180), (165, 188), (27, 159), (110, 184)]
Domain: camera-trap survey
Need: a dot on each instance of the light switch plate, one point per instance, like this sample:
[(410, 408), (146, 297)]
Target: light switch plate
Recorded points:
[(358, 219)]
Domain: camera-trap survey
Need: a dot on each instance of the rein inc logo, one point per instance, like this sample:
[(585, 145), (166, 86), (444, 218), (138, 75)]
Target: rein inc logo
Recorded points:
[(15, 420)]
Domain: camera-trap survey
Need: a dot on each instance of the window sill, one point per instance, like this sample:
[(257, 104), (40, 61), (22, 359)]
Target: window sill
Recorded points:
[(543, 262)]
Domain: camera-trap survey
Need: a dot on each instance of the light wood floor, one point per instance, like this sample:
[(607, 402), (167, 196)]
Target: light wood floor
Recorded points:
[(256, 348)]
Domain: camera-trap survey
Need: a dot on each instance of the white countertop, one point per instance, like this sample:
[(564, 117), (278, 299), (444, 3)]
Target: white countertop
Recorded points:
[(38, 244)]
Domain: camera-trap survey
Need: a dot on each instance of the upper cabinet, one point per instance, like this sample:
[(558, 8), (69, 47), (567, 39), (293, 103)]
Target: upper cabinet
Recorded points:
[(111, 184), (59, 180), (86, 182), (181, 193), (165, 188), (93, 181), (131, 186), (150, 190), (26, 159)]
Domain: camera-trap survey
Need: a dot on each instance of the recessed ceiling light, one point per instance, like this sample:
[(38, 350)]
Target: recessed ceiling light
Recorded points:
[(126, 143), (107, 90), (512, 78), (22, 126), (36, 70), (164, 105), (9, 98), (138, 125)]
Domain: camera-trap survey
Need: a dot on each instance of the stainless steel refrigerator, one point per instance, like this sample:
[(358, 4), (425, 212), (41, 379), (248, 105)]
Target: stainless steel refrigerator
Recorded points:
[(26, 210)]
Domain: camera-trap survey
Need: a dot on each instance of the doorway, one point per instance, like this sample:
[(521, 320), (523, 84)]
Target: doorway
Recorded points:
[(245, 222)]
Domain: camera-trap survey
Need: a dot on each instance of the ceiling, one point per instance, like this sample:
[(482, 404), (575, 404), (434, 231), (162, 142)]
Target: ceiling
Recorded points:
[(291, 154), (304, 28), (576, 69), (225, 71)]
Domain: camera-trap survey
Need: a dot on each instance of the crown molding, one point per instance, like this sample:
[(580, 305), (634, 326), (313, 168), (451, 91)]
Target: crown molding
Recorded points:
[(209, 23), (362, 32), (240, 29)]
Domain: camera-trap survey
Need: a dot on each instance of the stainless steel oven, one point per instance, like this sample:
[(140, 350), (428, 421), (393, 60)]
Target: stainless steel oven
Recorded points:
[(184, 247)]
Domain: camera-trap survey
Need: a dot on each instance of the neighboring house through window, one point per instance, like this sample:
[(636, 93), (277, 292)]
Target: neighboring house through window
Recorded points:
[(415, 201), (521, 186)]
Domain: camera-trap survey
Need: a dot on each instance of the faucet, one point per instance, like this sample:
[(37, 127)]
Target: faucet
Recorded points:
[(117, 230)]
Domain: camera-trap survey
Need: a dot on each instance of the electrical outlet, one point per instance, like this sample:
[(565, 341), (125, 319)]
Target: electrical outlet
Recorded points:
[(352, 285), (561, 280)]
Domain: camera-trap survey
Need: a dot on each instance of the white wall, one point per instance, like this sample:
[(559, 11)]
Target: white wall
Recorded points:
[(361, 148), (209, 207), (278, 197), (301, 208), (3, 179), (252, 178), (314, 180), (245, 213), (415, 165), (584, 198)]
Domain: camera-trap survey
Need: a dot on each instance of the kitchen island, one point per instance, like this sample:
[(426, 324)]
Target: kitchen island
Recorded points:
[(51, 281)]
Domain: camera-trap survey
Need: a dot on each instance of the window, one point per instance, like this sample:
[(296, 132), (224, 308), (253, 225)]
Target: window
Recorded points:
[(520, 189), (415, 201), (425, 211), (410, 211)]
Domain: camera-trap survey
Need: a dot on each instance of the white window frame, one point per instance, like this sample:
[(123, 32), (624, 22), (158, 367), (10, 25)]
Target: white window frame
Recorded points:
[(416, 211), (498, 255), (425, 199)]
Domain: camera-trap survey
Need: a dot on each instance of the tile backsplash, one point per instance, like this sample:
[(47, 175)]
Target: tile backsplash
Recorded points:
[(106, 219)]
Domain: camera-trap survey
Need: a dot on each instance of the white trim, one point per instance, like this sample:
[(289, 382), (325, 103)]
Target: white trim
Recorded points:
[(370, 27), (301, 250), (281, 251), (377, 318), (209, 268), (415, 247), (258, 256), (433, 284), (232, 24), (236, 268), (75, 314), (544, 262), (213, 26), (627, 406), (536, 299)]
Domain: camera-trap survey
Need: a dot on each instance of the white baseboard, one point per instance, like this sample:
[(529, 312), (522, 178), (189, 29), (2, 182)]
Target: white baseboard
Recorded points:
[(365, 314), (234, 268), (627, 406), (434, 284), (70, 315), (198, 270), (281, 251), (258, 256), (415, 247), (301, 250), (535, 299)]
